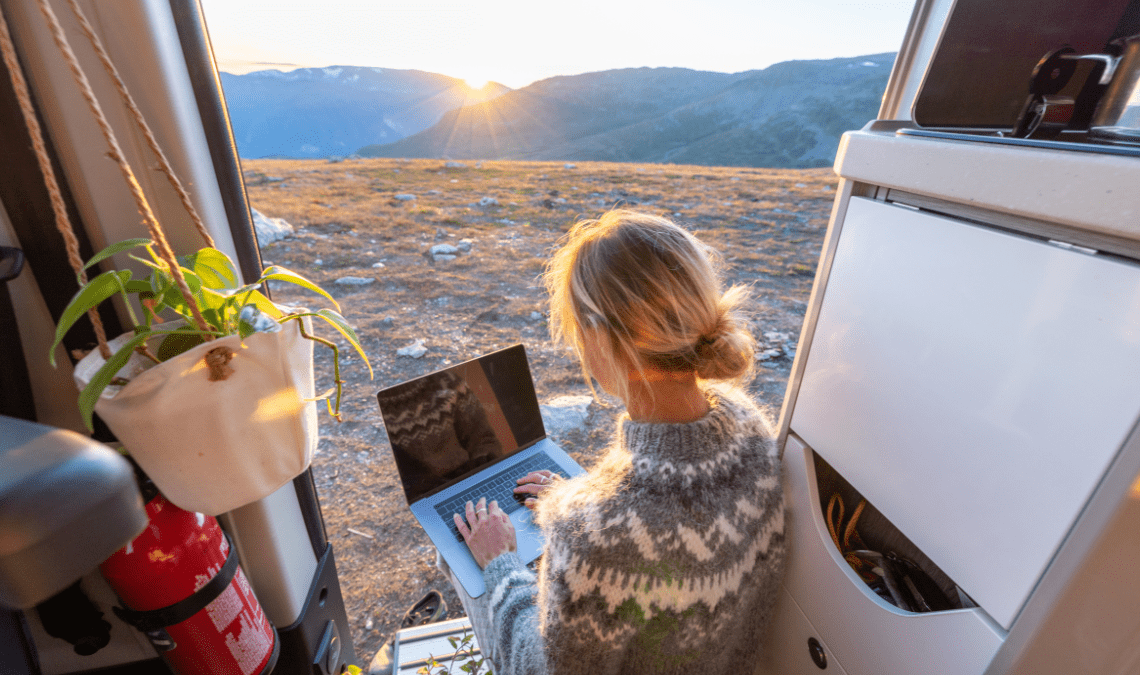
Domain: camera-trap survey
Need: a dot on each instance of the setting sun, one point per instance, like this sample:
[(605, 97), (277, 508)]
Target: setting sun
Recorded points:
[(475, 83)]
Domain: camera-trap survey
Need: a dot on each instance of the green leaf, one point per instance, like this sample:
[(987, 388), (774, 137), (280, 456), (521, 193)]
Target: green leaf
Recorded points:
[(111, 250), (278, 273), (90, 296), (102, 377), (454, 642), (178, 342), (338, 322), (213, 267)]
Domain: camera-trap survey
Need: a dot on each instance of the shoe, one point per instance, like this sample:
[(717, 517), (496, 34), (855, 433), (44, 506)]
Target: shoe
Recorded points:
[(428, 609)]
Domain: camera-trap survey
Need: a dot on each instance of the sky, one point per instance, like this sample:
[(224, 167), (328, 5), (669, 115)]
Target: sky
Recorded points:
[(518, 42)]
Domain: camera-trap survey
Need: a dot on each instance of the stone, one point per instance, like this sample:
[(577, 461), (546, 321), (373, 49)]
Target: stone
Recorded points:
[(354, 281), (465, 245), (488, 201), (318, 261), (768, 354), (569, 166), (455, 165), (444, 249), (388, 321), (535, 316), (443, 257), (269, 229), (377, 265), (405, 197), (565, 413), (414, 350)]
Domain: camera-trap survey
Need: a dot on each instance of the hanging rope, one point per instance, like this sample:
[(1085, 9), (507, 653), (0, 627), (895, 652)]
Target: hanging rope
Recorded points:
[(62, 223), (129, 101), (155, 230)]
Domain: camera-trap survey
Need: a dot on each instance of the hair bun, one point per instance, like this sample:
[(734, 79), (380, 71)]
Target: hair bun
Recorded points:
[(725, 352)]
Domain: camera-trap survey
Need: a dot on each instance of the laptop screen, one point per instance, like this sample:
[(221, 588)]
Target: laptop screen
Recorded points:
[(447, 424)]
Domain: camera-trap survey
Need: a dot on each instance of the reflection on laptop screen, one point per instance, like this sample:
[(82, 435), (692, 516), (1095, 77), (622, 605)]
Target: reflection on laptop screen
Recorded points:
[(449, 423)]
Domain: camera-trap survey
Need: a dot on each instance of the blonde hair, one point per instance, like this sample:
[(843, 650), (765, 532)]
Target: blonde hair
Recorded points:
[(652, 293)]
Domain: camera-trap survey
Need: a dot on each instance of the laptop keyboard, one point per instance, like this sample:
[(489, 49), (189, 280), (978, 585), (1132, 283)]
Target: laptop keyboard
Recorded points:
[(498, 487)]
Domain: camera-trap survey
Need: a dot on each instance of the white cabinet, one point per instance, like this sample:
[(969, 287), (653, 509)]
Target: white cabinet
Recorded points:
[(974, 385)]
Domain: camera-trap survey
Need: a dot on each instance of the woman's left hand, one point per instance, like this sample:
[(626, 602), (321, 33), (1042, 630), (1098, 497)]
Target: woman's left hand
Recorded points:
[(533, 484), (490, 534)]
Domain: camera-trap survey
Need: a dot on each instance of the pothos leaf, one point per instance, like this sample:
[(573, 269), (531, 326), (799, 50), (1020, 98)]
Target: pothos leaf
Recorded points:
[(111, 250), (90, 296), (278, 273), (213, 267), (338, 322)]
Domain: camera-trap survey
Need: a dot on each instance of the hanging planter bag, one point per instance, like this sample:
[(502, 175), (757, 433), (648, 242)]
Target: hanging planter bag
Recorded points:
[(214, 445)]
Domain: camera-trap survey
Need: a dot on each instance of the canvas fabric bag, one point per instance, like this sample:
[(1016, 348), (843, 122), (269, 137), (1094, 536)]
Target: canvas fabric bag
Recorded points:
[(212, 446)]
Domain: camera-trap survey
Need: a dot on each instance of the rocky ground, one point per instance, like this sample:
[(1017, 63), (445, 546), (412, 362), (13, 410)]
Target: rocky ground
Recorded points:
[(441, 261)]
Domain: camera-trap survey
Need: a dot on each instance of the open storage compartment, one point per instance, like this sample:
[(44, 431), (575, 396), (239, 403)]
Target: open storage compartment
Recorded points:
[(839, 504), (863, 632)]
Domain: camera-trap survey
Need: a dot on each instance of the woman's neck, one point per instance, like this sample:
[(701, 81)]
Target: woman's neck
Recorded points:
[(670, 398)]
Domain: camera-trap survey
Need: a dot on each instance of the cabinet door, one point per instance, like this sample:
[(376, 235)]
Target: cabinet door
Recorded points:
[(973, 385)]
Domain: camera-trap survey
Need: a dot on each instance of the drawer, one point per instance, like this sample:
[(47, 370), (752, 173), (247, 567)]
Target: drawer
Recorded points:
[(786, 649), (866, 634), (974, 385)]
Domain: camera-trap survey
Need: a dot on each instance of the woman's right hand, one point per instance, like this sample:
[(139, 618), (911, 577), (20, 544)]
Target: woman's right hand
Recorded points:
[(533, 484)]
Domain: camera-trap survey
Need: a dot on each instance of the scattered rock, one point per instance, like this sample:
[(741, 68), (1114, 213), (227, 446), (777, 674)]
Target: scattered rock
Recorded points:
[(455, 165), (465, 245), (387, 322), (404, 197), (414, 350), (434, 192), (478, 165), (443, 257), (569, 166), (565, 413), (335, 160), (377, 265), (318, 261), (269, 229), (801, 184), (488, 201), (768, 354), (443, 249), (535, 316), (354, 281)]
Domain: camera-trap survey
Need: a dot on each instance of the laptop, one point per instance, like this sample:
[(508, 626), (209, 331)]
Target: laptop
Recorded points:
[(465, 432)]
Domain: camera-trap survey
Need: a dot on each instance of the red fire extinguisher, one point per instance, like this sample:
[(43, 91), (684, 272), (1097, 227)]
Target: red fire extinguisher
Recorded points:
[(183, 588)]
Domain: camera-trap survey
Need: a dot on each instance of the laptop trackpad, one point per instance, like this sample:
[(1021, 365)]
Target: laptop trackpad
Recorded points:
[(529, 537)]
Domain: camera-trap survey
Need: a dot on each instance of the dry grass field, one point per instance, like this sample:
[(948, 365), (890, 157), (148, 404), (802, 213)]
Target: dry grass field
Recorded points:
[(379, 218)]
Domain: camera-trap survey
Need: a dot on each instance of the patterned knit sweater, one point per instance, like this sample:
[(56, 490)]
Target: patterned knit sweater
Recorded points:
[(664, 558)]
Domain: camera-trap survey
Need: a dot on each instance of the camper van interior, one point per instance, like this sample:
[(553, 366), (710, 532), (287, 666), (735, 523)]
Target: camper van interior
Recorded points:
[(966, 383)]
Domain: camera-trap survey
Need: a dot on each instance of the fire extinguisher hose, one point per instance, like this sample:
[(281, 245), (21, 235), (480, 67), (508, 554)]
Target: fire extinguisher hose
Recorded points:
[(151, 620)]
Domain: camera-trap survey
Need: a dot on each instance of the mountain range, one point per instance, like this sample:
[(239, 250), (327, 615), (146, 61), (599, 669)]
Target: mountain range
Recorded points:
[(328, 112), (788, 115)]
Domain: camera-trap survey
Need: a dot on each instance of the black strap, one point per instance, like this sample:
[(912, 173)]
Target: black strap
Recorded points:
[(187, 607)]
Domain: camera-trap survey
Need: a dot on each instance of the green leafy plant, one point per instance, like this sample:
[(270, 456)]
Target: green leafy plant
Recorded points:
[(227, 307), (465, 659)]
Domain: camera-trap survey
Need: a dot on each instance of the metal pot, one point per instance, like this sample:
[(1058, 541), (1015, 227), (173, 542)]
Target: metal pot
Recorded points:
[(1117, 117)]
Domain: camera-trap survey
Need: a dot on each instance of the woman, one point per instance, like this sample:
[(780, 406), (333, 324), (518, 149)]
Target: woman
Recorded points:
[(666, 556)]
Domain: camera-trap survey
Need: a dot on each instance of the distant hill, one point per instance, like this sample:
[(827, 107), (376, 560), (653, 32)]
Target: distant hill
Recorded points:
[(788, 115), (323, 112)]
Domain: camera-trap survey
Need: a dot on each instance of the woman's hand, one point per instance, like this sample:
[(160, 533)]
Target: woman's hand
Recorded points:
[(533, 484), (491, 533)]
